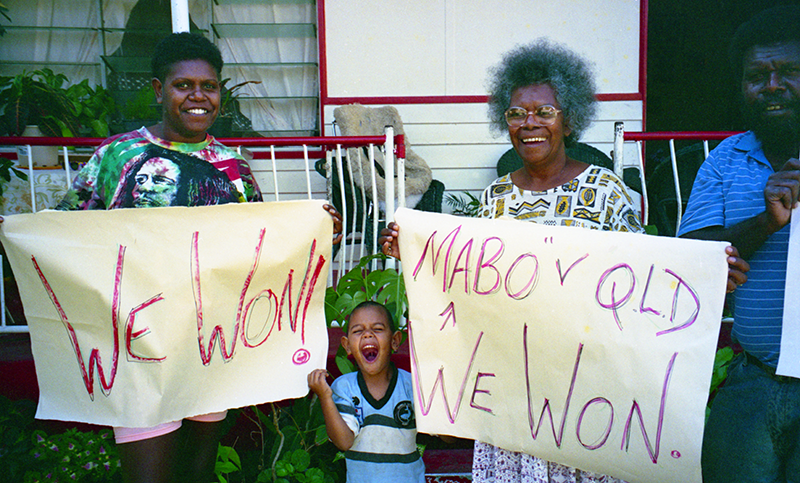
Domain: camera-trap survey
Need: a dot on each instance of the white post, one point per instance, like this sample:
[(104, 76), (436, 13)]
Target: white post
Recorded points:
[(364, 210), (67, 172), (180, 15), (308, 170), (645, 199), (375, 205), (619, 146), (388, 170), (32, 179), (274, 173), (344, 262), (401, 182), (673, 156)]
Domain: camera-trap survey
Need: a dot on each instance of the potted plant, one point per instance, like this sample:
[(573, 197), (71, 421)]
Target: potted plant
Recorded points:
[(140, 110), (228, 106), (94, 108), (37, 104), (40, 98), (36, 98)]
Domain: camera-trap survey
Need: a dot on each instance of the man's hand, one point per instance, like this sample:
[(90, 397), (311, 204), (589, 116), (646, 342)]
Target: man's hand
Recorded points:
[(781, 195), (737, 268)]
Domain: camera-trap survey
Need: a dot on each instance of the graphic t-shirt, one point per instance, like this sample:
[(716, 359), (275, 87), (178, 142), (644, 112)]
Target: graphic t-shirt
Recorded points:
[(138, 169)]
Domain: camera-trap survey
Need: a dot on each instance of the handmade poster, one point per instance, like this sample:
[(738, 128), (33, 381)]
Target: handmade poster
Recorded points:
[(588, 348), (789, 359), (143, 316)]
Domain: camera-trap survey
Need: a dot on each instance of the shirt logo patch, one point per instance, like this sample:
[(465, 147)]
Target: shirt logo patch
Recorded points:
[(404, 414)]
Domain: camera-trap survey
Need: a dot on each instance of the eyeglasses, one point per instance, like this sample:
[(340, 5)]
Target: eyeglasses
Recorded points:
[(543, 115)]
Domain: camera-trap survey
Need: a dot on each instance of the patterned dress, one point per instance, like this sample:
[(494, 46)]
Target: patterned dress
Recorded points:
[(596, 199)]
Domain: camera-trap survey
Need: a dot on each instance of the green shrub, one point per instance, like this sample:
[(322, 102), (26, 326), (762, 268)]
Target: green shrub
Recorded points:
[(73, 455)]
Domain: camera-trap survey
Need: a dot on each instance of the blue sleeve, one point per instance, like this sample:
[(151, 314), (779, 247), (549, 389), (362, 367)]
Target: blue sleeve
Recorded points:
[(706, 203), (343, 392), (342, 395)]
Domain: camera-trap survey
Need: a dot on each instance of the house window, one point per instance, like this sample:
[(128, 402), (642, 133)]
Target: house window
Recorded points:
[(110, 42)]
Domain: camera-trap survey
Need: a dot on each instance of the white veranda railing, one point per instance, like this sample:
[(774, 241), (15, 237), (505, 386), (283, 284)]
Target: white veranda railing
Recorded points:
[(669, 183)]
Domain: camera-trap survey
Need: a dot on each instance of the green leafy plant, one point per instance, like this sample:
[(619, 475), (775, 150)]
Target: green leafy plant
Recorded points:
[(4, 13), (385, 286), (291, 445), (73, 456), (40, 98), (229, 97), (296, 466), (228, 462), (16, 422), (142, 106), (722, 360), (464, 204), (37, 98), (31, 455), (93, 106), (7, 168)]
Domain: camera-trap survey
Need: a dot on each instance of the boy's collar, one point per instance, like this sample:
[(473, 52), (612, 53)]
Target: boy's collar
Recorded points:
[(378, 404)]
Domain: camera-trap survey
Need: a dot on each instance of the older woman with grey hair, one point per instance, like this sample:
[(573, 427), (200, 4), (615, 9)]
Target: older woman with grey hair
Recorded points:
[(543, 96)]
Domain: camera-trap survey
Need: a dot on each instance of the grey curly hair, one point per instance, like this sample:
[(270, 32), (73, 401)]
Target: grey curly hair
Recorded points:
[(544, 62)]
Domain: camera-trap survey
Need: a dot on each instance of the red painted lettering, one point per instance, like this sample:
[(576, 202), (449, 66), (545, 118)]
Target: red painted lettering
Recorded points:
[(475, 391), (424, 406), (530, 285), (652, 449), (430, 244), (557, 436), (95, 359), (615, 304), (130, 335), (490, 265)]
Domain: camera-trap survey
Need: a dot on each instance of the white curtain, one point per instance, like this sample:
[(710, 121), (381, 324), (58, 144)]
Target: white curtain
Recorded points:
[(35, 48), (270, 115)]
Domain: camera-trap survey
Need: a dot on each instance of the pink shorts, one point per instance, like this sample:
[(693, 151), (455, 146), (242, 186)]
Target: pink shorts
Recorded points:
[(129, 435)]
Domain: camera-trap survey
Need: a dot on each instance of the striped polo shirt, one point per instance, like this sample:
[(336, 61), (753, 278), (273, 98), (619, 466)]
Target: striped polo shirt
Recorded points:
[(385, 446), (729, 188)]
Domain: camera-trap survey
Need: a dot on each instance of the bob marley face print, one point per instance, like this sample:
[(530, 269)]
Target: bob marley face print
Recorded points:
[(163, 177), (156, 183)]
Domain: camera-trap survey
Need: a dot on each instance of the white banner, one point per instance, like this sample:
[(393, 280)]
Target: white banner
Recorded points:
[(138, 317), (789, 359), (588, 348)]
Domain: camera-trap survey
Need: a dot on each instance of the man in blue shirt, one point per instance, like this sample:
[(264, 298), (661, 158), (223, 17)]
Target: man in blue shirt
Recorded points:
[(744, 193)]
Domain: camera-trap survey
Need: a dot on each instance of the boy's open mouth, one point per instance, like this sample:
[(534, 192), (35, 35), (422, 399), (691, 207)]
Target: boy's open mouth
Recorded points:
[(370, 353)]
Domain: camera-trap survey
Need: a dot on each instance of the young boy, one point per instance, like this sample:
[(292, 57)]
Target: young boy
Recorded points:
[(369, 413)]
